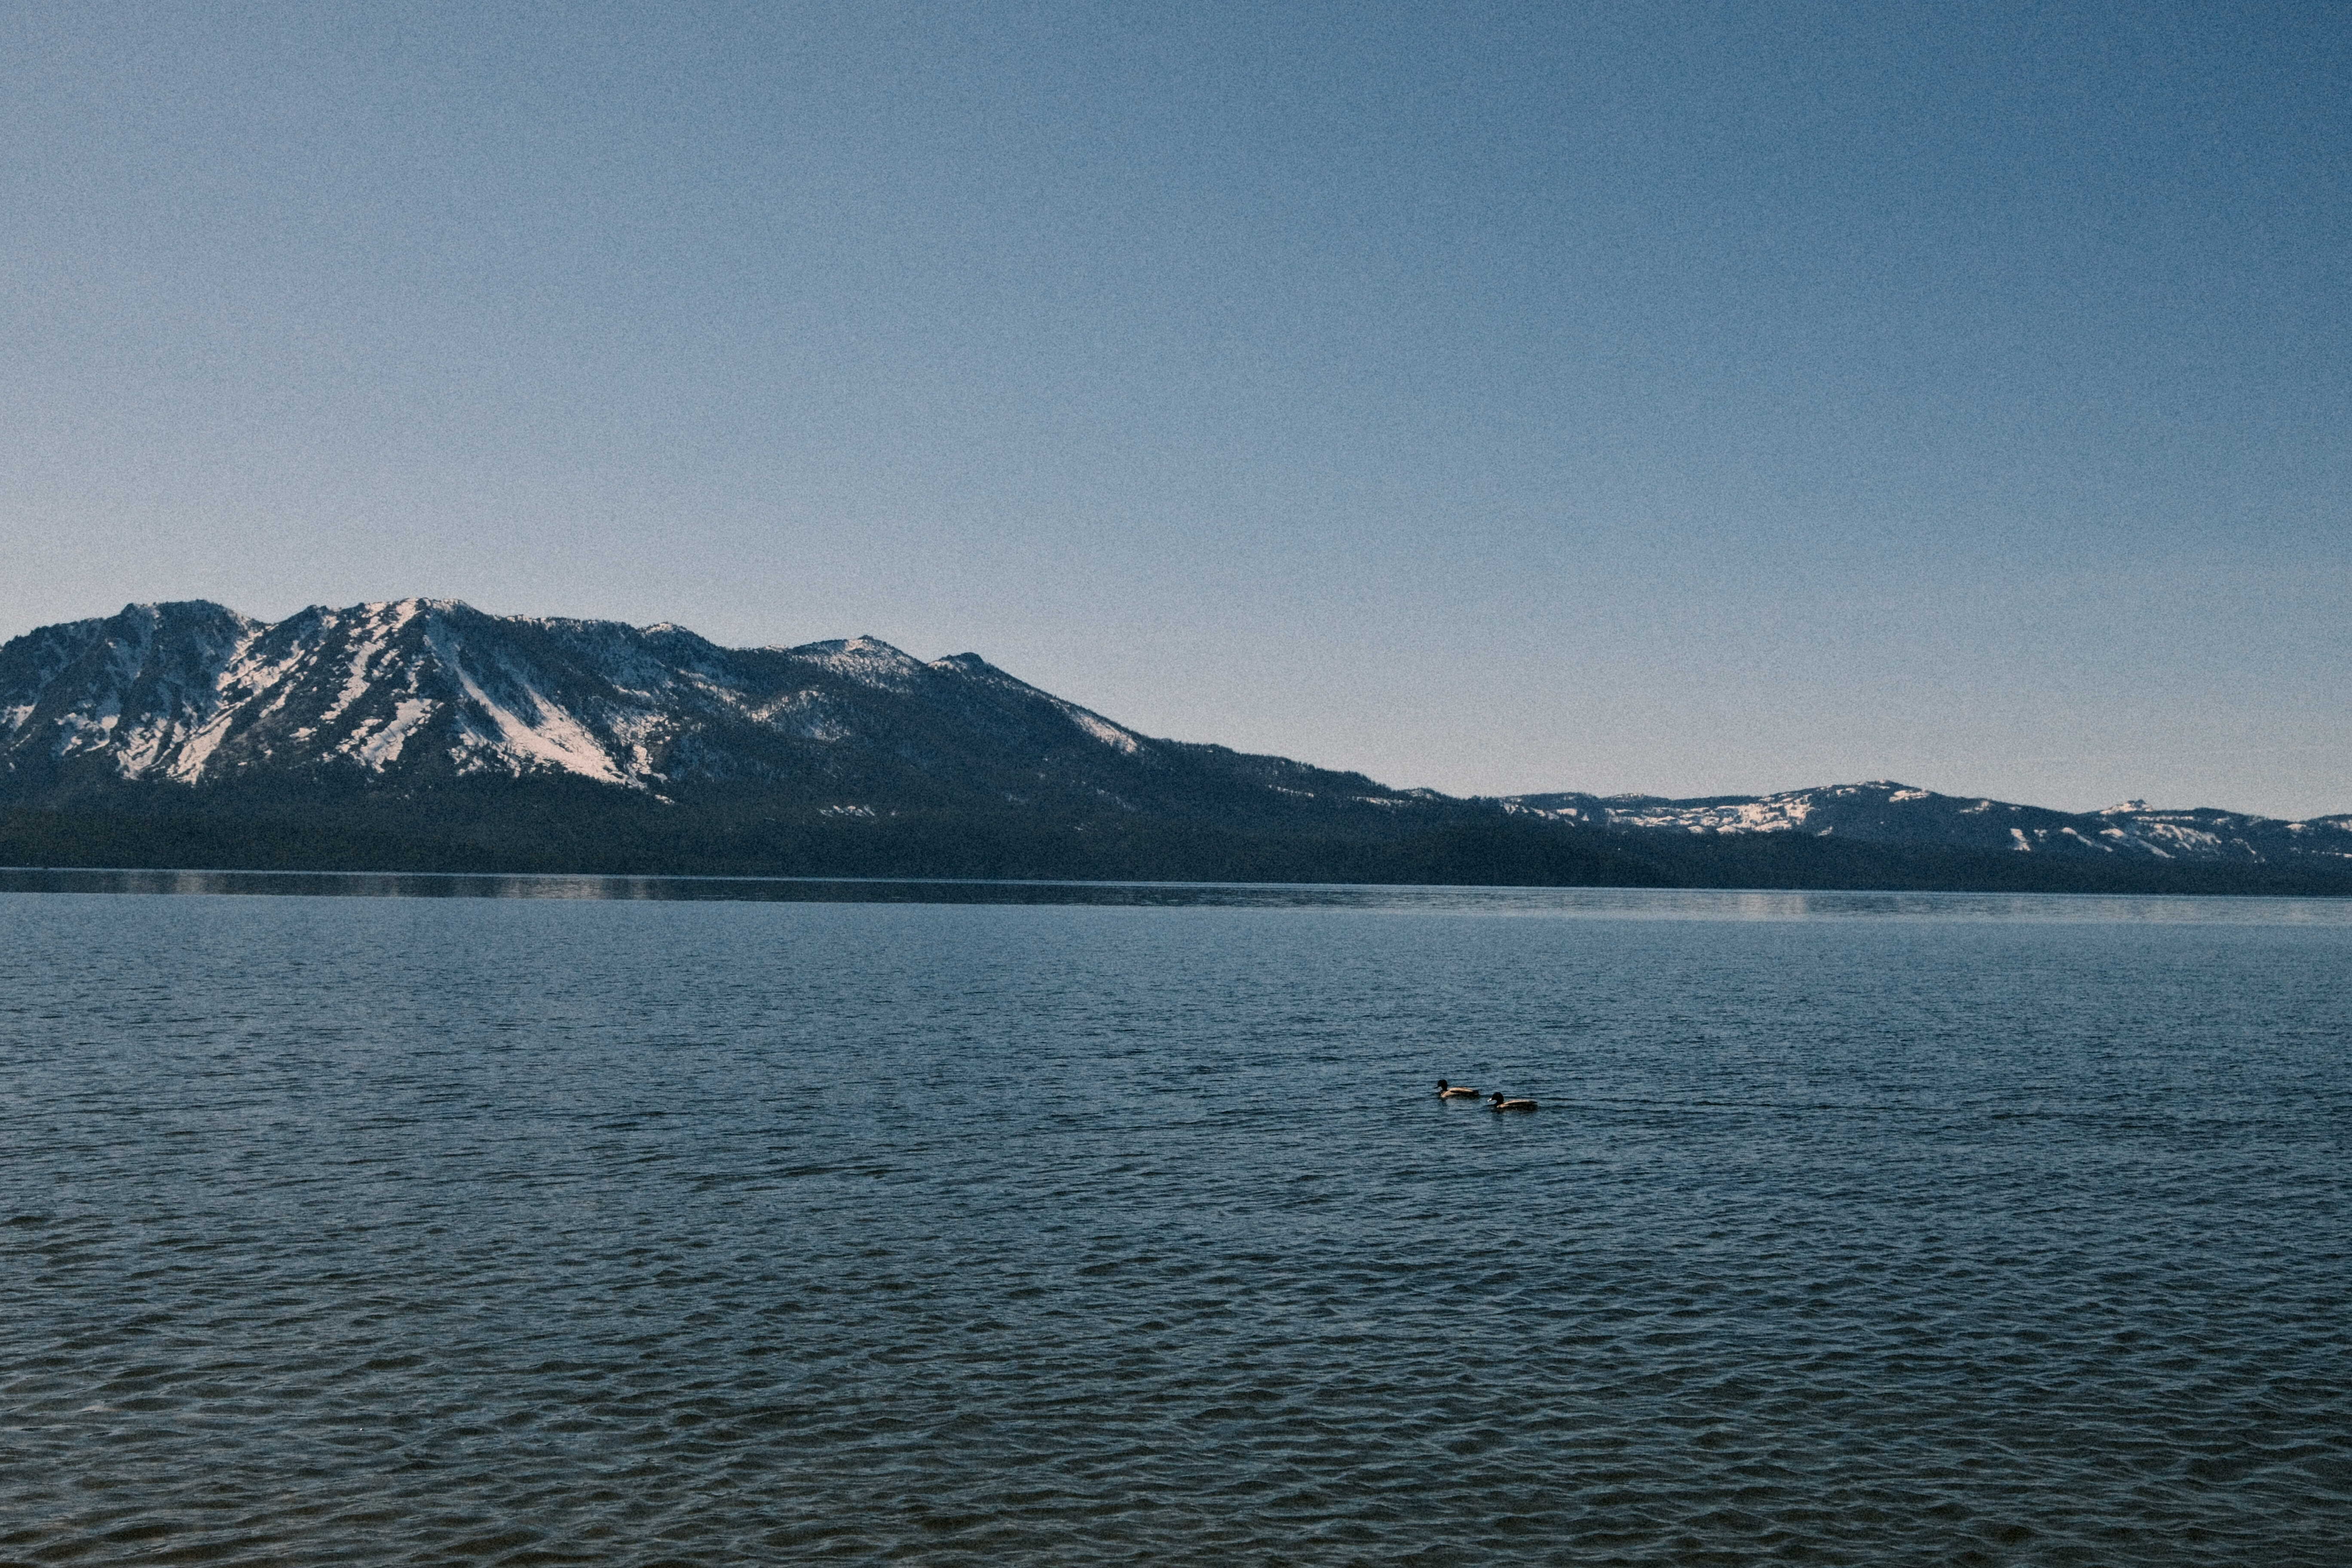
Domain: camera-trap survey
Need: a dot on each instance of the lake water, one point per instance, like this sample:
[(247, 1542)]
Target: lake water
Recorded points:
[(726, 1223)]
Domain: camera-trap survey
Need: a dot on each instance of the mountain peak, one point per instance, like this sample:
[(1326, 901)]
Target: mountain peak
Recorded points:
[(178, 612), (863, 658)]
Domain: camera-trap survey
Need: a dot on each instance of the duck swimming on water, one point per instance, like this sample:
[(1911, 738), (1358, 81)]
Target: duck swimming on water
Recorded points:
[(1502, 1104), (1454, 1090)]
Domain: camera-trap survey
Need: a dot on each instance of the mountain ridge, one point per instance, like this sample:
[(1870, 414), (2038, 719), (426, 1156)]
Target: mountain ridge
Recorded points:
[(414, 714), (418, 691), (1888, 811)]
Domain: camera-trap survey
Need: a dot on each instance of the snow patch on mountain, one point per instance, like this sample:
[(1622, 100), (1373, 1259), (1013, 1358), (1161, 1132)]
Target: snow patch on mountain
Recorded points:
[(382, 621), (531, 731), (865, 659), (381, 749), (1103, 729), (196, 749)]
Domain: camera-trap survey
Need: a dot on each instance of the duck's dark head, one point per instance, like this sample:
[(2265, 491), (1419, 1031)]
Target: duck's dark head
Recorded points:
[(1441, 1085), (1498, 1096)]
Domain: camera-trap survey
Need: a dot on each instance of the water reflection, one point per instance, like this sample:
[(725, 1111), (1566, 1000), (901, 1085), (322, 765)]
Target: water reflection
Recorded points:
[(1611, 904)]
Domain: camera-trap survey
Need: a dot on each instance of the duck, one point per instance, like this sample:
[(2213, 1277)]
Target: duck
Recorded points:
[(1454, 1090), (1502, 1104)]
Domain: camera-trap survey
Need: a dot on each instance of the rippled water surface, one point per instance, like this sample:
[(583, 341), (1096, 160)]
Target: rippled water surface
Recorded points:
[(749, 1225)]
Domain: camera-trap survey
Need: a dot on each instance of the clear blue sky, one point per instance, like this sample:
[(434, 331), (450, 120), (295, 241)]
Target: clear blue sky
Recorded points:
[(1677, 398)]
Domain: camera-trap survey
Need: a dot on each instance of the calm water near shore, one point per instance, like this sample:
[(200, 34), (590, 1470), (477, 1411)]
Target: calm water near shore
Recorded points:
[(627, 1221)]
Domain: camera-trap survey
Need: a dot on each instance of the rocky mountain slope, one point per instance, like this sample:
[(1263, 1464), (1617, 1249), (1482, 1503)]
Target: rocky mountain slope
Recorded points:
[(419, 692)]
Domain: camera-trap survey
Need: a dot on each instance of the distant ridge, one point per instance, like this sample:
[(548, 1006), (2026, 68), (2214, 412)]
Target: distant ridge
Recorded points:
[(1886, 811), (425, 734)]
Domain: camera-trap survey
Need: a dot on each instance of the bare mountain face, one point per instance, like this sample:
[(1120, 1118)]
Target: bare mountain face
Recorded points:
[(420, 693), (423, 701), (1885, 812)]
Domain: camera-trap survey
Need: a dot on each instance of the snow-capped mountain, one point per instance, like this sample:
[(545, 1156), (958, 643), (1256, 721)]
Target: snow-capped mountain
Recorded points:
[(426, 722), (417, 692), (1884, 812)]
